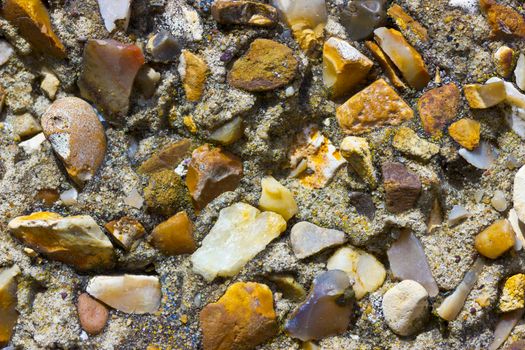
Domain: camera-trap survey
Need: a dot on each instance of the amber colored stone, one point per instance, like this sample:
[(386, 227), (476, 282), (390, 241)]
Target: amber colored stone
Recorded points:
[(125, 231), (167, 158), (93, 315), (8, 303), (174, 236), (32, 20), (373, 107), (212, 172), (244, 12), (437, 107), (242, 318), (495, 240), (193, 71), (465, 132), (77, 137), (481, 96), (48, 196), (406, 23), (267, 65), (401, 186), (386, 64), (504, 20), (109, 68)]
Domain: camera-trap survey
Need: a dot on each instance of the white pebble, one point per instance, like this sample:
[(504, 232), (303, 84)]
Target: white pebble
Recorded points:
[(289, 91), (498, 201), (69, 197), (457, 214)]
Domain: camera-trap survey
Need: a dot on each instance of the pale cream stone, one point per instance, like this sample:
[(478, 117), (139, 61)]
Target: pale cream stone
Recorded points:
[(357, 152), (485, 96), (277, 198), (519, 73), (114, 12), (229, 132), (50, 84), (519, 194), (8, 302)]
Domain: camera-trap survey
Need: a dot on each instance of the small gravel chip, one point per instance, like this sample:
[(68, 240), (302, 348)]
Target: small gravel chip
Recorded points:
[(93, 314), (308, 239)]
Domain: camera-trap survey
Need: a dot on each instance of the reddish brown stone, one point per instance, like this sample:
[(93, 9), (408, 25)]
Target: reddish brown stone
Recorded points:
[(401, 186), (93, 314), (174, 236), (437, 107), (48, 196), (167, 158), (212, 172)]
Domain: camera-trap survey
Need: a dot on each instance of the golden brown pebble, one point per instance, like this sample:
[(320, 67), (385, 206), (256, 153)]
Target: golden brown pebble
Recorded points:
[(244, 12), (193, 72), (513, 293), (386, 64), (495, 240), (33, 22), (504, 61), (8, 302), (485, 96), (504, 20), (174, 236), (405, 22), (437, 107), (373, 107), (465, 132)]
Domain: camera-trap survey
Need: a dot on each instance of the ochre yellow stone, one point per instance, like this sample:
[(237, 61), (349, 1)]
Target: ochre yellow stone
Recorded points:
[(33, 22), (405, 22), (375, 106), (8, 302), (465, 132), (386, 64), (495, 240), (193, 71), (174, 236), (513, 294), (485, 96)]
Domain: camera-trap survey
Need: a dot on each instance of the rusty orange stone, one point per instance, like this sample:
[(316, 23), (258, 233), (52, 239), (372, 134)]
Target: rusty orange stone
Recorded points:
[(465, 132), (406, 23), (174, 236), (437, 107), (504, 20)]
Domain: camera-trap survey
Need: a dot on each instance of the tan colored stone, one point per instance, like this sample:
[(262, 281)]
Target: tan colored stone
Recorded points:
[(406, 23), (25, 126), (8, 303), (504, 61), (513, 293), (242, 318), (495, 240), (77, 137), (174, 236), (386, 64), (93, 315), (375, 106), (167, 158), (277, 198), (408, 142), (193, 71), (357, 152), (125, 231), (343, 66), (73, 240), (50, 84), (466, 132), (485, 96), (437, 107), (48, 196)]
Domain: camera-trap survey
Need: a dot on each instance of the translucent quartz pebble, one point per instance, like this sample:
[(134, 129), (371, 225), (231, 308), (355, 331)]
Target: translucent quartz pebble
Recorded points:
[(409, 262), (482, 157), (327, 309), (361, 17)]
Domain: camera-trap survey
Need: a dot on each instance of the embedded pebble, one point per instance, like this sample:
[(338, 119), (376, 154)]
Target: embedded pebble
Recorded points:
[(504, 61), (193, 71), (519, 72), (6, 51), (518, 230), (174, 236), (93, 315), (496, 239), (308, 239), (504, 20), (437, 107), (482, 157), (69, 197), (8, 303), (408, 142), (166, 193), (164, 47), (485, 96), (244, 12), (277, 198), (125, 231), (401, 186), (25, 126), (356, 151), (457, 214), (50, 84), (519, 193), (513, 293), (229, 132), (115, 13), (360, 18), (168, 157), (363, 204), (498, 201), (466, 132)]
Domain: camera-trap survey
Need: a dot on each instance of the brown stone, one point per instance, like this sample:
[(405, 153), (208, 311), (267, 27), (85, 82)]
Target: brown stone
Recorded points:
[(33, 22), (242, 318), (167, 158), (166, 193), (375, 106), (437, 107), (77, 137), (174, 236), (48, 196), (466, 132), (212, 172), (386, 64), (406, 23), (93, 315), (504, 20), (109, 68), (125, 231), (244, 12), (193, 71), (402, 187), (267, 65), (2, 98)]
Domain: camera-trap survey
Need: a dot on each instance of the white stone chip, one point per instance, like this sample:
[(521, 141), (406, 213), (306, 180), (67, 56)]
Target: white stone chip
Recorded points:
[(457, 214), (519, 194), (134, 199), (516, 227), (482, 157), (519, 72), (33, 144), (113, 11)]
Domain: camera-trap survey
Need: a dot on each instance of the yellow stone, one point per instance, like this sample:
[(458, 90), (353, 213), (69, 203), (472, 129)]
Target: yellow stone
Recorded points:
[(34, 24), (193, 71), (465, 132), (485, 96), (495, 240), (373, 107), (386, 64), (277, 198), (406, 23), (8, 301), (343, 66), (513, 294), (357, 152)]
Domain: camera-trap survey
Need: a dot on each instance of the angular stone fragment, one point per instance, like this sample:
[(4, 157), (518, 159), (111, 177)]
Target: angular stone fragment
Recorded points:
[(6, 51), (174, 236), (125, 231), (482, 157), (229, 132), (314, 152), (513, 294), (357, 151), (25, 126), (167, 158), (408, 261), (115, 12), (519, 194), (330, 298), (485, 96), (166, 193), (405, 57), (193, 71), (164, 47), (363, 203), (8, 302), (504, 20), (267, 65), (519, 73), (364, 269), (33, 22), (504, 61), (437, 107), (211, 172), (244, 12), (495, 240), (402, 187), (406, 23), (77, 137), (243, 318), (343, 66), (73, 240), (408, 142), (405, 307), (375, 106), (466, 132), (386, 64), (108, 71), (360, 18), (132, 294), (147, 80), (277, 198), (93, 315), (457, 214), (308, 239), (239, 234)]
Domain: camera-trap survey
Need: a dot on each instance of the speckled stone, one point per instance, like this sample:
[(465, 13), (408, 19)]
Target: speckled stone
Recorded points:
[(466, 132), (93, 315), (437, 107), (166, 193)]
